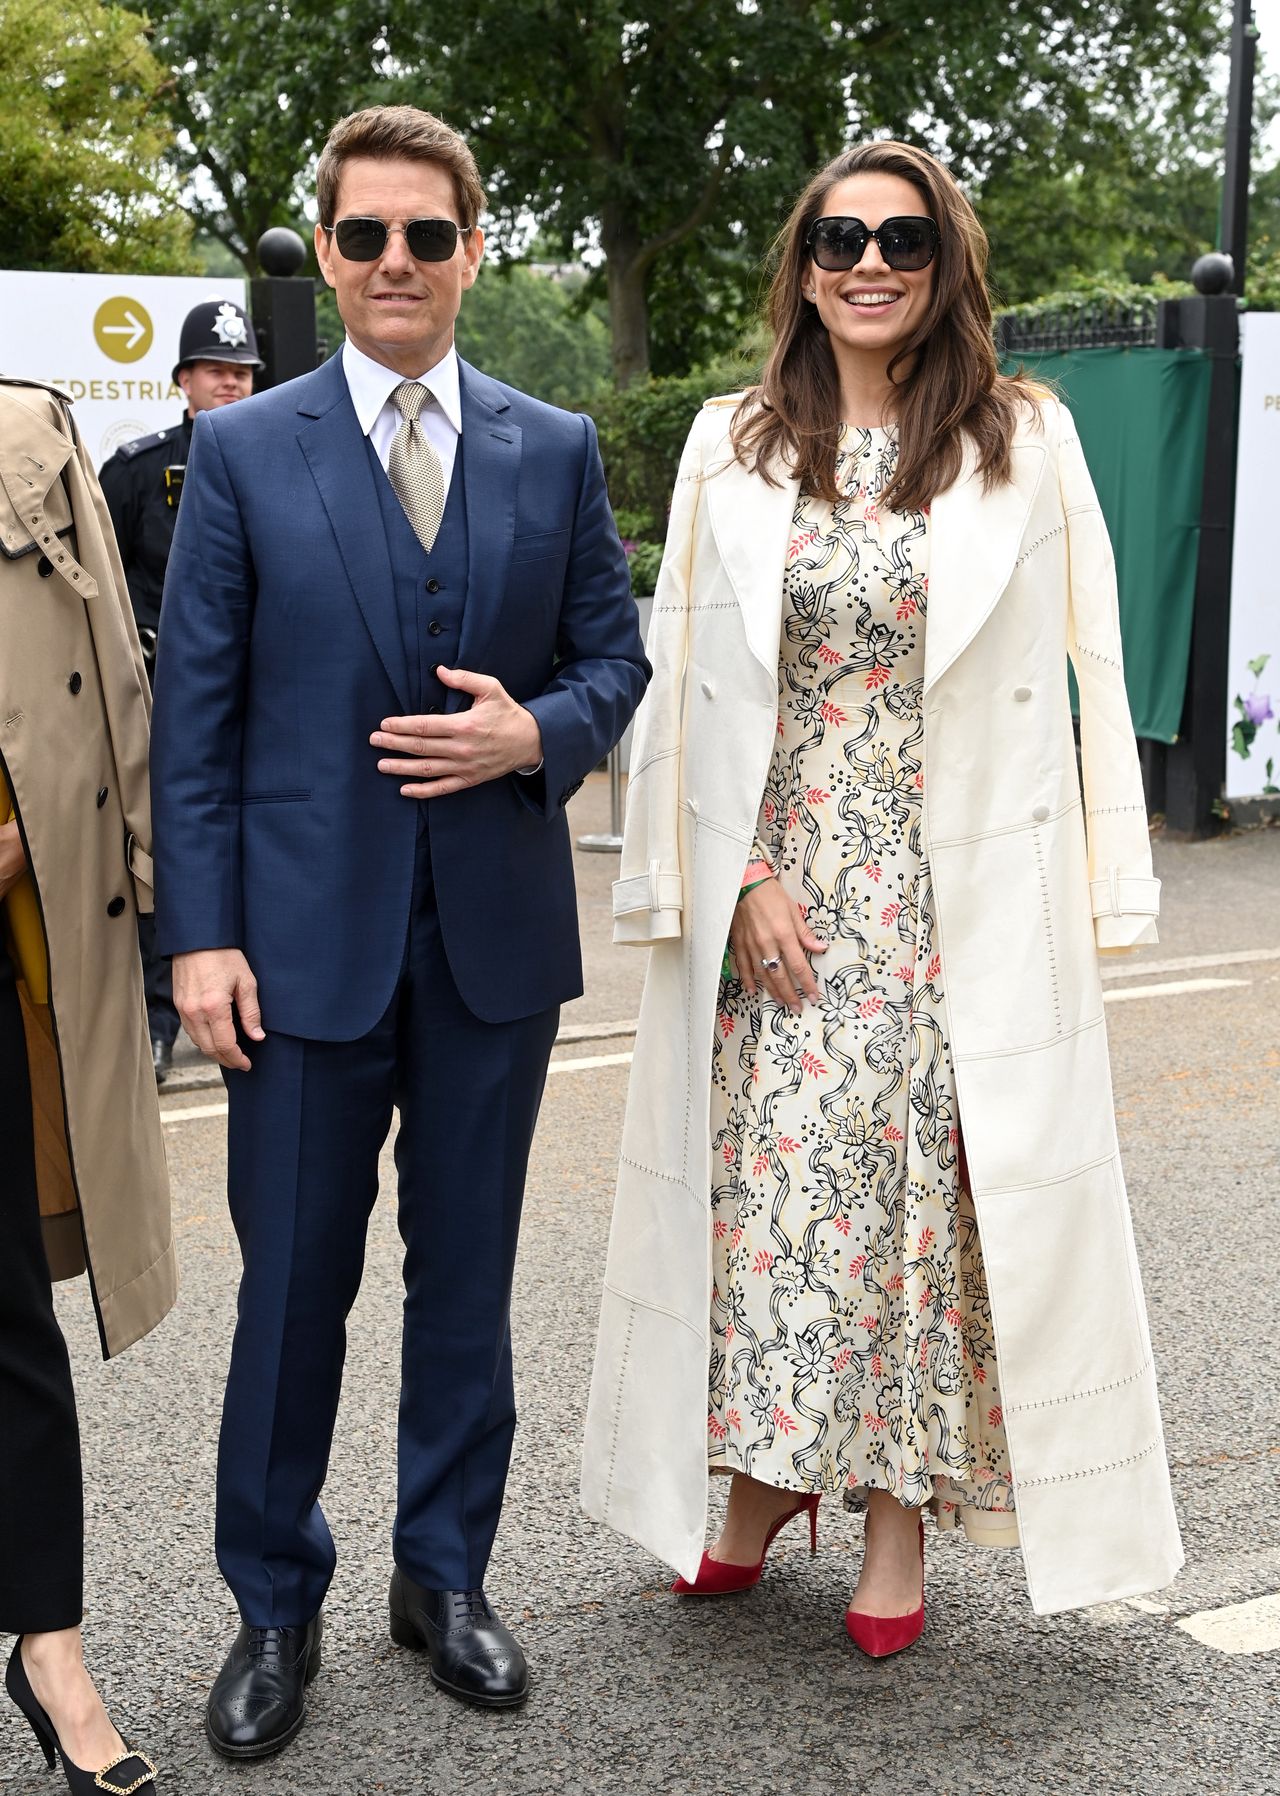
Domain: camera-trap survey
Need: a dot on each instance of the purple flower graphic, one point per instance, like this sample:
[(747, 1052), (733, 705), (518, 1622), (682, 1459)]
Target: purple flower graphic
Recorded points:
[(1257, 707)]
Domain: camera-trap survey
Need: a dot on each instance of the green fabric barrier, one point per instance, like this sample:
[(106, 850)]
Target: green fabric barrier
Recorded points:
[(1141, 414)]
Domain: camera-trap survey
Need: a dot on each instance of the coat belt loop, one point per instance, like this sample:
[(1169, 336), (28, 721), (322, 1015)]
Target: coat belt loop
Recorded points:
[(1115, 892), (655, 900)]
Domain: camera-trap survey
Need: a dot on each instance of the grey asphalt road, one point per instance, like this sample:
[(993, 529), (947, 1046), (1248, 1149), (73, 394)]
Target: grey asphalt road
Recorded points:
[(758, 1694)]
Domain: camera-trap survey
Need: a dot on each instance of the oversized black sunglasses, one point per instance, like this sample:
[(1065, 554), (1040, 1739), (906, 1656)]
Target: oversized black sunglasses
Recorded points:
[(429, 239), (907, 244)]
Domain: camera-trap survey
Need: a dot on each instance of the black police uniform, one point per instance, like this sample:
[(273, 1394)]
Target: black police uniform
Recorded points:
[(142, 484)]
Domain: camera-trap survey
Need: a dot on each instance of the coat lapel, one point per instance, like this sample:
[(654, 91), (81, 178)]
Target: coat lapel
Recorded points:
[(334, 446), (974, 539), (751, 521), (491, 447)]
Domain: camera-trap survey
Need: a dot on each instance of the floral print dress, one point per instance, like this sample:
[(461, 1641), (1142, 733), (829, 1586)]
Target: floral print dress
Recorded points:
[(852, 1343)]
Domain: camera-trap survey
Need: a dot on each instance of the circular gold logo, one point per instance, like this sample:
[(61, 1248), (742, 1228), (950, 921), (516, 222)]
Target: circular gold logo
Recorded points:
[(122, 329)]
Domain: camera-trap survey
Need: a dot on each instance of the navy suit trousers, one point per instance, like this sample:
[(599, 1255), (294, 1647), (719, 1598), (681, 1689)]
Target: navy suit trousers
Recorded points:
[(305, 1129)]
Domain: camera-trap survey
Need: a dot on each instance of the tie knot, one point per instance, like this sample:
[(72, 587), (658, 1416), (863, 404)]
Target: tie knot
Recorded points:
[(410, 397)]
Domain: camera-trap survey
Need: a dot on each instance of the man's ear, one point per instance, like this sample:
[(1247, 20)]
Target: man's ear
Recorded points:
[(324, 255)]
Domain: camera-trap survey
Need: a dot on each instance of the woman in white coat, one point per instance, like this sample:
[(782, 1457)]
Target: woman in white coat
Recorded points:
[(871, 1233)]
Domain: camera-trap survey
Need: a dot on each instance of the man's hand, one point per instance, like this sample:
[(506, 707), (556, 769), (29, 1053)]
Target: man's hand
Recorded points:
[(205, 984), (13, 862), (442, 754)]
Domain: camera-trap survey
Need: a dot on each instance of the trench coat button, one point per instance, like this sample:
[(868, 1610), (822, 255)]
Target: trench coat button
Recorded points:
[(1022, 694), (435, 627), (1041, 813), (102, 797), (74, 684), (44, 567), (116, 907), (433, 585)]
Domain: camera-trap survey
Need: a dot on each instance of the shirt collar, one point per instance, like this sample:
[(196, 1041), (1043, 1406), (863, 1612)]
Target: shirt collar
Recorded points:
[(371, 385)]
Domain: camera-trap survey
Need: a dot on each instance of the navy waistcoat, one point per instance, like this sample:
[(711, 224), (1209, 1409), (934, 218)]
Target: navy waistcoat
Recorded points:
[(431, 589)]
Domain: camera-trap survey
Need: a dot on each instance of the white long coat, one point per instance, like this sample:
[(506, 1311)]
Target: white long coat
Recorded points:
[(1027, 885)]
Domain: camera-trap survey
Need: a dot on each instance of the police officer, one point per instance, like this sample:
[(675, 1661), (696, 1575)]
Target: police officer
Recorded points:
[(142, 484)]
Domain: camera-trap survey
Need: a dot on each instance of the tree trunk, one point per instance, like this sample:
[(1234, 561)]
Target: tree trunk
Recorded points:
[(628, 315)]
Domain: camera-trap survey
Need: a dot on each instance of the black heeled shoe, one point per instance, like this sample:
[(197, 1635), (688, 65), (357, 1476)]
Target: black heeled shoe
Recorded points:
[(133, 1771)]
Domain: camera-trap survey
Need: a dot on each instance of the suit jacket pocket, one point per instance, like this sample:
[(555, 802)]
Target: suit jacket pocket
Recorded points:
[(274, 797), (540, 545)]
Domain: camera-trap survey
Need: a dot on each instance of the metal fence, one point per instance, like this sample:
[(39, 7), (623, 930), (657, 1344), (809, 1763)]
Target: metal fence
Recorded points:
[(1102, 324)]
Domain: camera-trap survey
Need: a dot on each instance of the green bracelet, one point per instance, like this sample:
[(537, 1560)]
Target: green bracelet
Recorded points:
[(726, 965)]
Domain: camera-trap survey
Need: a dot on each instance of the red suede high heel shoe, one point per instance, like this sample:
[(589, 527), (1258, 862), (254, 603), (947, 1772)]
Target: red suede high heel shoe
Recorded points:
[(878, 1636), (716, 1577)]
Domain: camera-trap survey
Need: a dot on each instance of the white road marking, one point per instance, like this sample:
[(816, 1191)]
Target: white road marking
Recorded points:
[(1174, 988), (1125, 969), (591, 1060), (1252, 1627), (193, 1113)]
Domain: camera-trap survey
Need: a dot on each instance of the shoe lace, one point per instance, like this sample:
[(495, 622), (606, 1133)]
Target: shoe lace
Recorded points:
[(471, 1606), (264, 1643)]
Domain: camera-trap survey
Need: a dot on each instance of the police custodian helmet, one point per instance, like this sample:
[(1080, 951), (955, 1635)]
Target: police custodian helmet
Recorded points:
[(217, 330)]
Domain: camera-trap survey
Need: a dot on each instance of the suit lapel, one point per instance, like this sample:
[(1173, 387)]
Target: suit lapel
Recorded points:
[(974, 538), (335, 449), (751, 521), (491, 448)]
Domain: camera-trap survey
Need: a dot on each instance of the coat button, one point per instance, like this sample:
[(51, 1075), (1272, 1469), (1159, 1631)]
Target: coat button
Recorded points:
[(102, 797), (44, 567), (1022, 694), (1040, 814), (116, 907), (433, 586), (434, 627), (708, 690), (74, 684)]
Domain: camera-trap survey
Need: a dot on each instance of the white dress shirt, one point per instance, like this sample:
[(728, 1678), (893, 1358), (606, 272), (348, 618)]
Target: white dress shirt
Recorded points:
[(371, 385)]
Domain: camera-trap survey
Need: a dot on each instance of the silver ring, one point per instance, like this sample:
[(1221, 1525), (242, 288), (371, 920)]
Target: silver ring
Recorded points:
[(771, 966)]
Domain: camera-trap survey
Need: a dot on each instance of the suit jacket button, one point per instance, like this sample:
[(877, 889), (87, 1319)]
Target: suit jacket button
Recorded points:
[(1040, 814), (102, 797), (116, 907), (433, 586), (74, 684)]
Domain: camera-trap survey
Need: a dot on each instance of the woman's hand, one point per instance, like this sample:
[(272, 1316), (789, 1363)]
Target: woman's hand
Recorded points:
[(13, 861), (768, 926)]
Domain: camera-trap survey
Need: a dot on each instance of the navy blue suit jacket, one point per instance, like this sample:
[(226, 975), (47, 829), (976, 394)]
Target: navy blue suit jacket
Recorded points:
[(281, 651)]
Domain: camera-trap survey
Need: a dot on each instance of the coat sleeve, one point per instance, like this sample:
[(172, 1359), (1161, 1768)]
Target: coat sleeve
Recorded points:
[(1125, 895), (648, 897)]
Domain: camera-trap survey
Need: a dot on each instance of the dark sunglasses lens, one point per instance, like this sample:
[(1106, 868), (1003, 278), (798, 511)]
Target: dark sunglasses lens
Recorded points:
[(432, 239), (838, 245), (907, 243), (361, 239)]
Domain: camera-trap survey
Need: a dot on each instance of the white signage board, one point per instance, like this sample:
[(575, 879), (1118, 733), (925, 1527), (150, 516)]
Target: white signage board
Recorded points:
[(1255, 564), (108, 340)]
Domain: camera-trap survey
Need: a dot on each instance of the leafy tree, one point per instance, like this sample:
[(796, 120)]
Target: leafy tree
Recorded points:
[(80, 157)]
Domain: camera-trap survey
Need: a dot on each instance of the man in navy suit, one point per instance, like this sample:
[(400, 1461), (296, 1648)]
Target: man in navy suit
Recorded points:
[(397, 634)]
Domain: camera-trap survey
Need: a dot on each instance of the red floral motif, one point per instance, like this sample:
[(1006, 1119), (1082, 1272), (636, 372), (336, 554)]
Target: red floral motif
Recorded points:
[(870, 1323), (953, 1136), (720, 1228), (730, 1153), (979, 1372), (893, 1134), (762, 1262), (788, 1145), (953, 1316), (733, 1418), (793, 816), (906, 974), (894, 1282), (995, 1415), (875, 1423), (816, 795), (870, 1007), (758, 1165), (841, 1360), (736, 1237), (727, 1024), (786, 1424), (811, 1064), (844, 1225), (919, 782), (831, 713), (934, 967), (927, 1239), (890, 914), (906, 607), (800, 542), (716, 1428), (729, 1334), (878, 676), (877, 1365), (875, 871), (831, 656), (857, 1263)]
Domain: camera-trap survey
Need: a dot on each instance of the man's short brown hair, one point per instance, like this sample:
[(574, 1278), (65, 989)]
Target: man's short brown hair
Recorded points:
[(385, 131)]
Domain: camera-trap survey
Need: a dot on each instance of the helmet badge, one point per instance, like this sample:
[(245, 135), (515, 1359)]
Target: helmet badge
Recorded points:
[(228, 327)]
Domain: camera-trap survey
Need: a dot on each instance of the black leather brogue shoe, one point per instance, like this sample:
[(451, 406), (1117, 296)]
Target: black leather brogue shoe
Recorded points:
[(161, 1058), (259, 1701), (473, 1655)]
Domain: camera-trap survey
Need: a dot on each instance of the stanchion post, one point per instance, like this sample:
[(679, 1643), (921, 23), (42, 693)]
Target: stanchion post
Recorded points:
[(612, 843)]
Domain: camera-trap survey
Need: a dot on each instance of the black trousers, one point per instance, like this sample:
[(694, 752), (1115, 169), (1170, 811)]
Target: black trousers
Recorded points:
[(41, 1504), (157, 979)]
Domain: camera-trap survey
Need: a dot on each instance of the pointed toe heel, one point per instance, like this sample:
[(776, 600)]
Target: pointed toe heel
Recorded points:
[(880, 1636), (132, 1774), (716, 1577)]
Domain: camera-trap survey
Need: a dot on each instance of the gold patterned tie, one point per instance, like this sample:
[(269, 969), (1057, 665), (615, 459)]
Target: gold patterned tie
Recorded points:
[(414, 467)]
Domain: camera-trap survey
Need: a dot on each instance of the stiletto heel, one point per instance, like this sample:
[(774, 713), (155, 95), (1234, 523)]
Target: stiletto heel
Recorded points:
[(879, 1636), (133, 1771), (716, 1577)]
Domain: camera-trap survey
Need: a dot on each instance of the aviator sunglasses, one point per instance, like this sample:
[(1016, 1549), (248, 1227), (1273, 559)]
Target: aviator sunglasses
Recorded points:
[(907, 244), (429, 239)]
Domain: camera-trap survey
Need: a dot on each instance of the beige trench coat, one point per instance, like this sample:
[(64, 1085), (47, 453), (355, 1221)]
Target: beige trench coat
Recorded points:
[(1028, 885), (74, 724)]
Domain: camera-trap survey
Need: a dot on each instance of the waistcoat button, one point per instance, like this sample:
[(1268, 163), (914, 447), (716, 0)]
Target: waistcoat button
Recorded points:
[(434, 627), (433, 586)]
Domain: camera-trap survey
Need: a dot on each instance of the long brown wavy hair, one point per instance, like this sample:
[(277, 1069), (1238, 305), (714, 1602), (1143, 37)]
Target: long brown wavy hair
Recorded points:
[(949, 386)]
